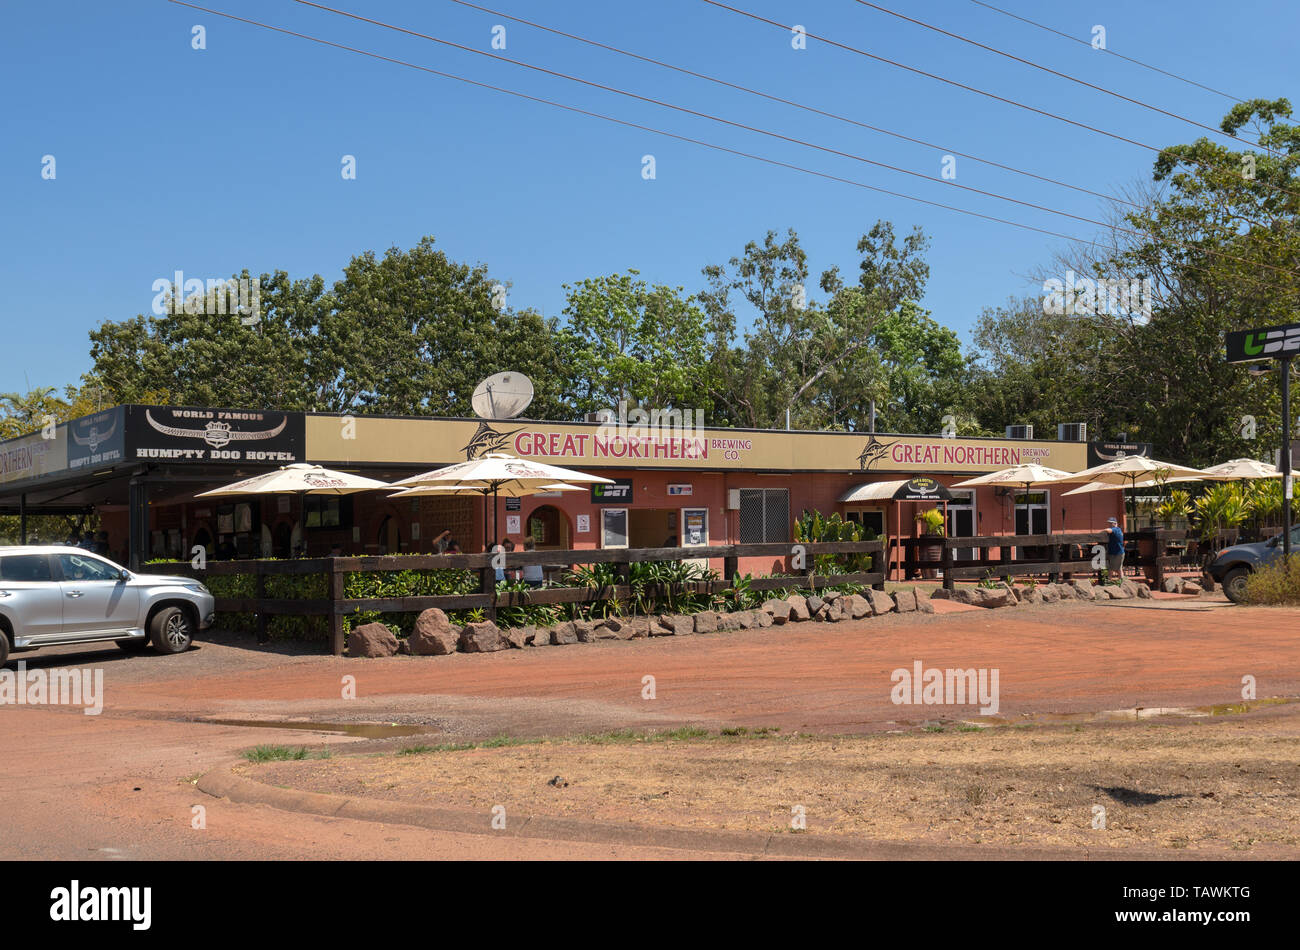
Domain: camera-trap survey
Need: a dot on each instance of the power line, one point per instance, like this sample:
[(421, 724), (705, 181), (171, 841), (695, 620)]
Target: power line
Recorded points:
[(1106, 49), (1048, 69), (740, 125), (708, 115), (797, 105), (693, 141), (982, 92)]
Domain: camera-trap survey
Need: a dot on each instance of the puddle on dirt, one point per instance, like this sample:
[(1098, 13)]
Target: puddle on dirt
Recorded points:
[(357, 730), (1132, 714)]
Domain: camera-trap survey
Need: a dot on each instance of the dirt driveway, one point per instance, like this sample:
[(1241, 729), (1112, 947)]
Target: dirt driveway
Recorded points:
[(118, 784)]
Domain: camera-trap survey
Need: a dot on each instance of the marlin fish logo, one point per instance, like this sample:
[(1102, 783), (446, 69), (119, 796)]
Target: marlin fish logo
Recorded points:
[(873, 452), (486, 439)]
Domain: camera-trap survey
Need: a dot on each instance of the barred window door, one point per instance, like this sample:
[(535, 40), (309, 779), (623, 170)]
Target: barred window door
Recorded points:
[(764, 515)]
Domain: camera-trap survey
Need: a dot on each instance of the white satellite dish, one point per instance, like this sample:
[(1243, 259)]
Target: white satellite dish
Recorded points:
[(502, 396)]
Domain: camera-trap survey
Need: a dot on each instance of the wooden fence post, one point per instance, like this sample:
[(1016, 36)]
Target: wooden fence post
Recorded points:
[(260, 592), (488, 585), (949, 556), (337, 638)]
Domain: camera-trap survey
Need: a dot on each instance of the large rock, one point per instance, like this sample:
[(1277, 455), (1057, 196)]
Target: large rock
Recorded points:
[(563, 634), (1083, 589), (1114, 592), (706, 621), (735, 620), (798, 607), (518, 637), (814, 603), (923, 604), (1144, 591), (583, 630), (482, 637), (371, 640), (1031, 595), (996, 597), (1129, 587), (1068, 591), (607, 629), (1048, 593), (763, 619), (1172, 584), (680, 624), (881, 603), (634, 628), (1189, 587), (857, 606), (778, 610), (660, 628), (960, 595), (434, 634), (905, 600), (541, 637)]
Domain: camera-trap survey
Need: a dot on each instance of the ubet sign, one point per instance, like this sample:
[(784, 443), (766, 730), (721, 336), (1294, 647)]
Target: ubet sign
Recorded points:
[(1264, 343)]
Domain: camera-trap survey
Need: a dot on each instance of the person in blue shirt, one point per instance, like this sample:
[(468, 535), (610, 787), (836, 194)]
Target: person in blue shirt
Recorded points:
[(1114, 549)]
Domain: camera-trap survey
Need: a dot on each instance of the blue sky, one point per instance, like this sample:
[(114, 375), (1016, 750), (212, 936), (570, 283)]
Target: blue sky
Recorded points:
[(210, 161)]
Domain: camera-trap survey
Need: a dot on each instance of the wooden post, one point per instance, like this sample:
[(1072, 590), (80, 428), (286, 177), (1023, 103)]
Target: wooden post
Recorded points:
[(949, 555), (1004, 555), (262, 635), (337, 639), (488, 585)]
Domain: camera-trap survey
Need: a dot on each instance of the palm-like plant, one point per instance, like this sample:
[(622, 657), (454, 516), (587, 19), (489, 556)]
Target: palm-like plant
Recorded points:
[(1218, 508)]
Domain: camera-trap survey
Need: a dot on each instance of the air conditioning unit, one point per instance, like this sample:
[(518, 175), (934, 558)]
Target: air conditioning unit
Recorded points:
[(733, 499), (1020, 432), (1072, 432), (600, 416)]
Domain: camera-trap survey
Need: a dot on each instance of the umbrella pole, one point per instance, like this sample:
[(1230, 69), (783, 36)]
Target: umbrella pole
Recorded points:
[(485, 523)]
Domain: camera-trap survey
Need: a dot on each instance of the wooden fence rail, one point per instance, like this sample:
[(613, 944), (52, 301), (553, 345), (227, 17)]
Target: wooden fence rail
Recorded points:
[(336, 606)]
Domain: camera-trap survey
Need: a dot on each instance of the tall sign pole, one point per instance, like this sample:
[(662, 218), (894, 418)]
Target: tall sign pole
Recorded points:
[(1287, 488), (1280, 343)]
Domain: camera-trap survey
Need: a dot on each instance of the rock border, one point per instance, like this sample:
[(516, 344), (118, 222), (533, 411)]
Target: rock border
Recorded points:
[(435, 635)]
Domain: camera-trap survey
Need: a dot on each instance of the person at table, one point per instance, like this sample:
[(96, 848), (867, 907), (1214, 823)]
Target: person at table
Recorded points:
[(533, 575)]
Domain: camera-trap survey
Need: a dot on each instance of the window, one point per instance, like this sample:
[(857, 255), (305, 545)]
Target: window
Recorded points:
[(613, 528), (76, 567), (1031, 513), (25, 568), (327, 511), (764, 515)]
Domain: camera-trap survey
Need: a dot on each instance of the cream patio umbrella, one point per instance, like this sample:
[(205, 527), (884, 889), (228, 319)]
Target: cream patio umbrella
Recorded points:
[(495, 472), (1241, 470), (1128, 471), (301, 479), (1027, 474)]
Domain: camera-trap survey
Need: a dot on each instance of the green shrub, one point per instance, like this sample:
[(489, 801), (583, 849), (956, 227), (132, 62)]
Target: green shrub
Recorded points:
[(1278, 583)]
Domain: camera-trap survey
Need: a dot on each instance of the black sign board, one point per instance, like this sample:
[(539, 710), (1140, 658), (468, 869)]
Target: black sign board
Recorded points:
[(97, 439), (922, 488), (264, 437), (616, 493), (514, 504), (1099, 453), (1264, 343)]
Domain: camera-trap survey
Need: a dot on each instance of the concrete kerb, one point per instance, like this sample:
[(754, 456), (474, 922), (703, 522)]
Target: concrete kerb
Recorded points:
[(222, 782)]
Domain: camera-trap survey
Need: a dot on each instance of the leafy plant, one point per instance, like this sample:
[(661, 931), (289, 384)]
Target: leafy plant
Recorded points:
[(932, 521)]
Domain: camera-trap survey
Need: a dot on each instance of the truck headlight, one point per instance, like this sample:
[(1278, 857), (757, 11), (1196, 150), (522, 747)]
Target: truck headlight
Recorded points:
[(197, 588)]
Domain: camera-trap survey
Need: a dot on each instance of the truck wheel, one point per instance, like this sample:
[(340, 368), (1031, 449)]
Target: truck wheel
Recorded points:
[(1234, 584), (171, 630)]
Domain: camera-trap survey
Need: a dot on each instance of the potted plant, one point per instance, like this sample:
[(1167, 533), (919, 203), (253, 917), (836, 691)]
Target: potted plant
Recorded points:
[(932, 524)]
